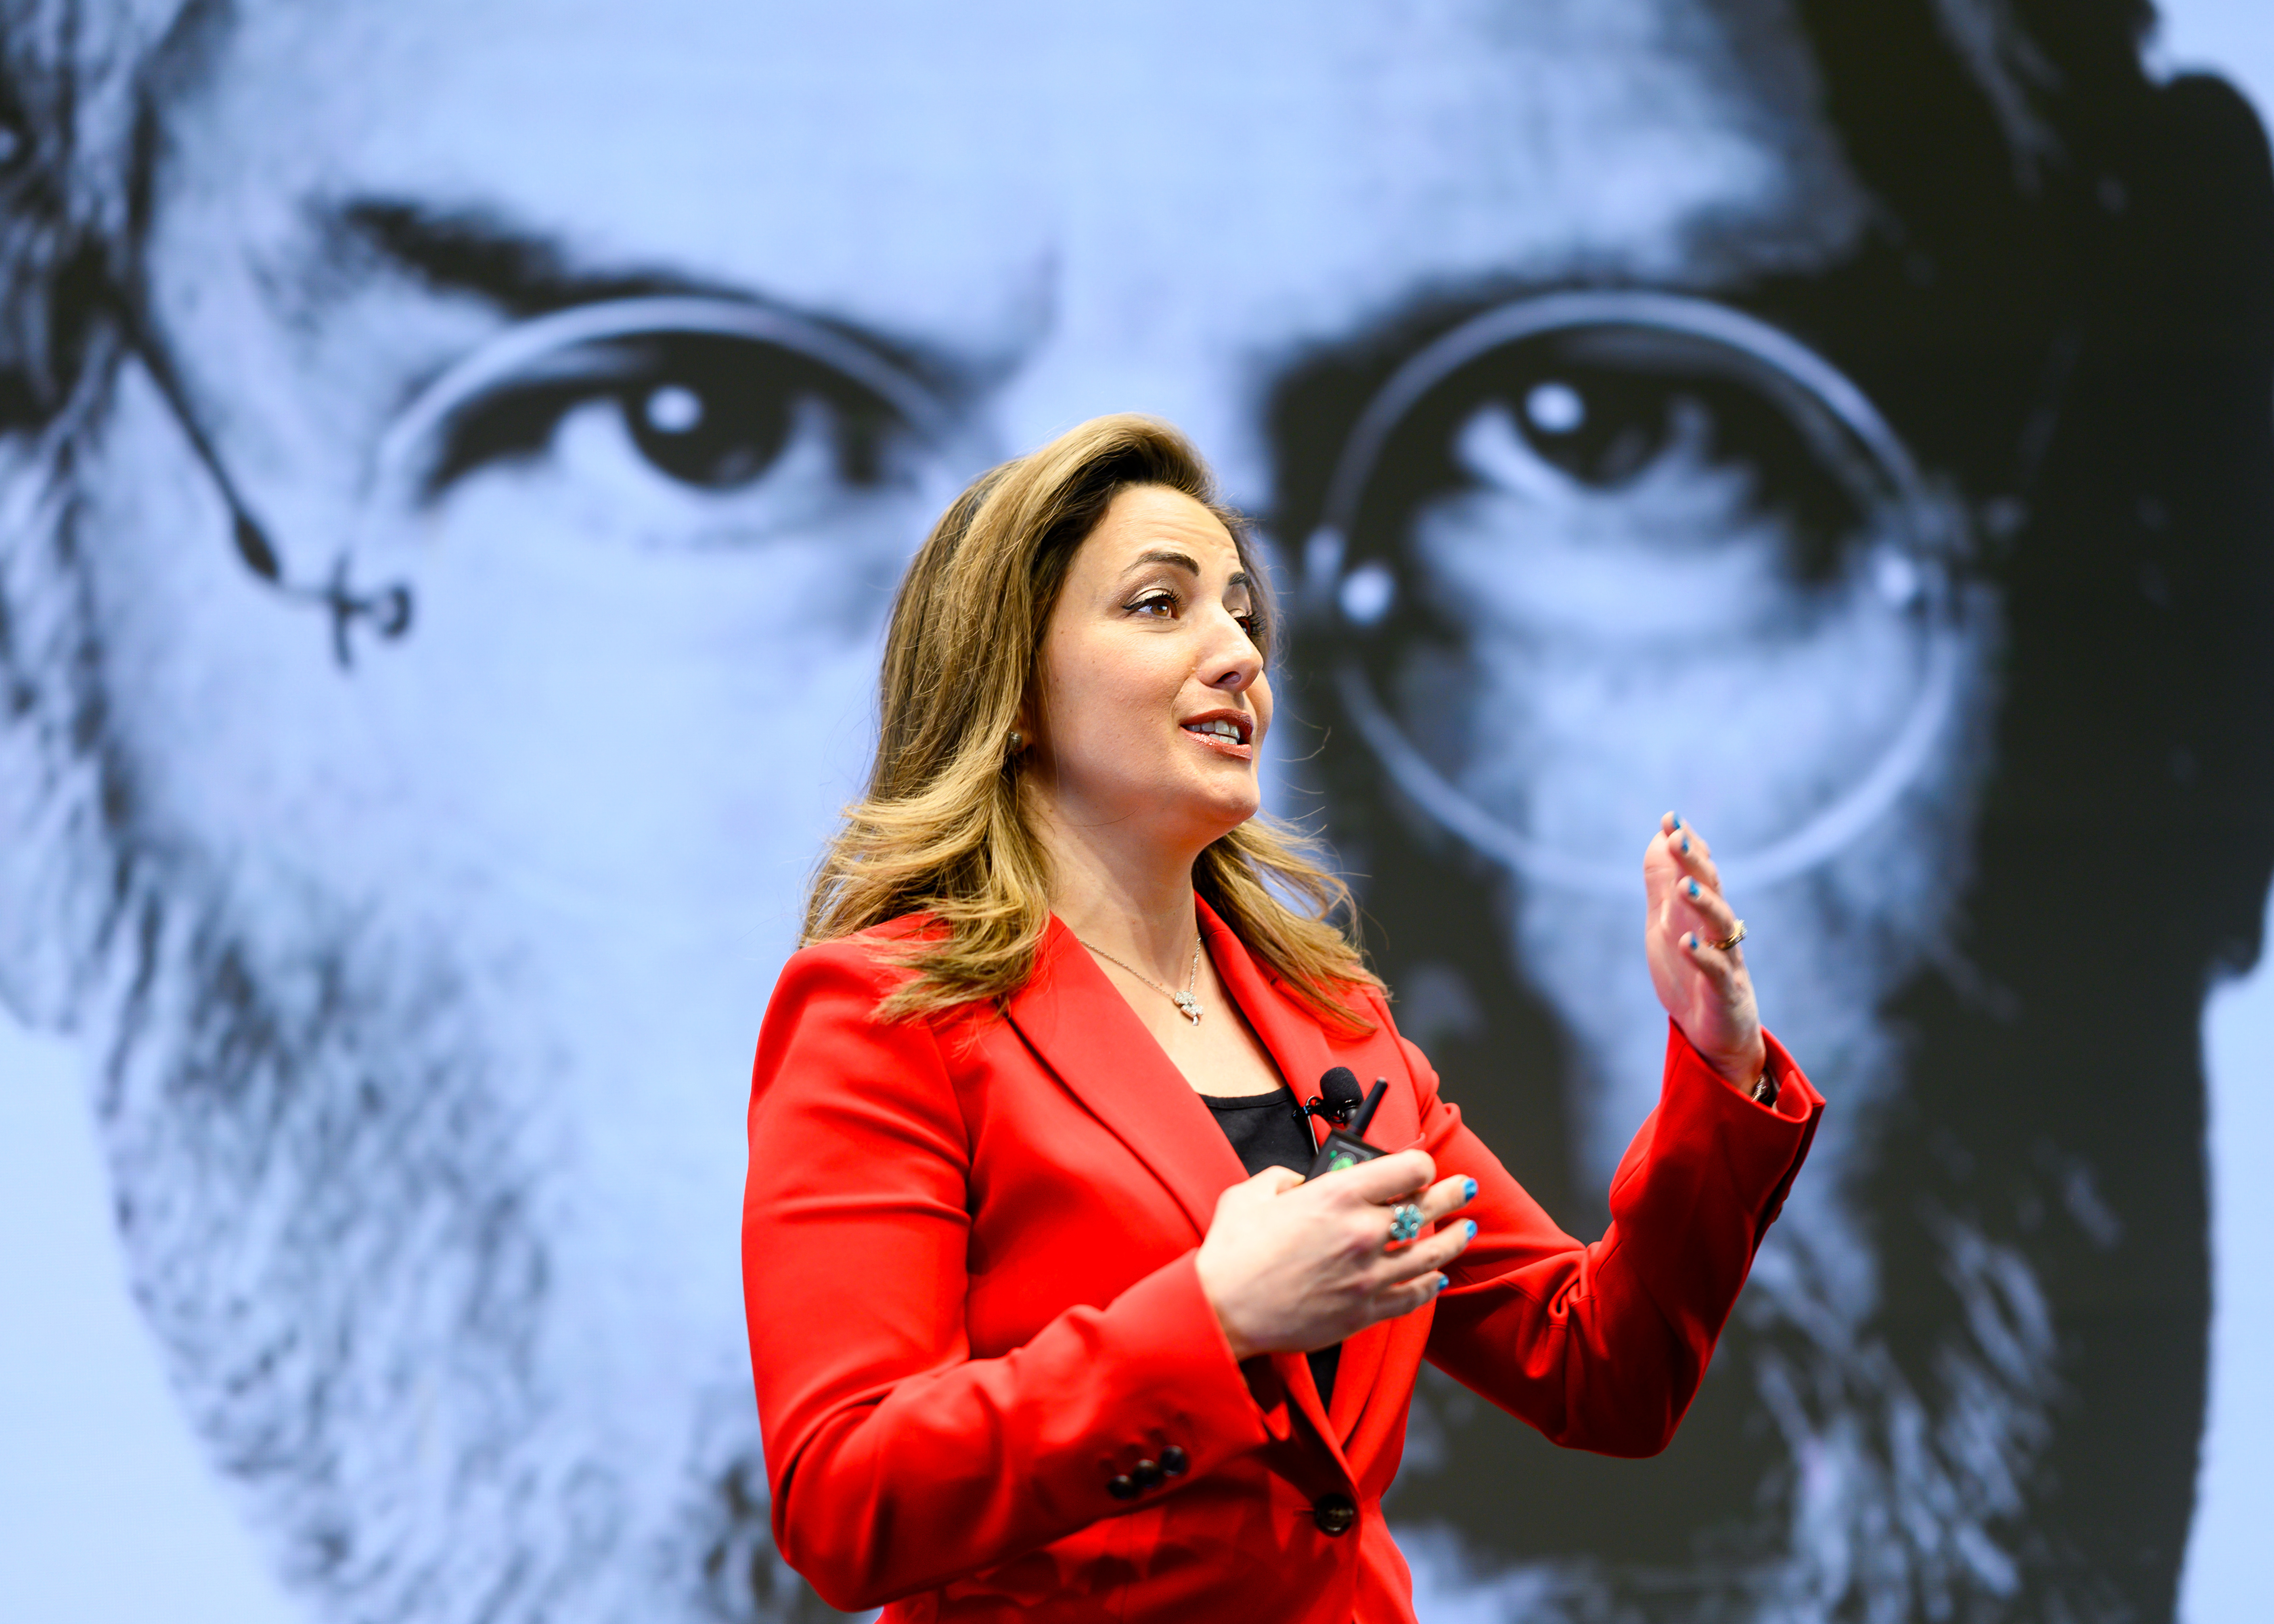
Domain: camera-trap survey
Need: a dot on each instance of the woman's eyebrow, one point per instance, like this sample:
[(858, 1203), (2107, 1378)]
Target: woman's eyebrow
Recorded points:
[(1163, 555)]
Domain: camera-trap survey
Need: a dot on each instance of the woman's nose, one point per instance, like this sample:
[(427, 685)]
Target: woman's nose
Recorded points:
[(1234, 664)]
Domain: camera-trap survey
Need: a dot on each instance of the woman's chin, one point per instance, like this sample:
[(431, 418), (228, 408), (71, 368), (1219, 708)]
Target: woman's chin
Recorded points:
[(1217, 814)]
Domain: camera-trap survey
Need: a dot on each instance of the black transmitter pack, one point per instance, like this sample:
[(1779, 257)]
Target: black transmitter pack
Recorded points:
[(1337, 1100)]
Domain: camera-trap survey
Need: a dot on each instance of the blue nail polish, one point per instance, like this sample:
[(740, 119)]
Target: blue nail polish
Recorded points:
[(1471, 1193), (1472, 1229), (1444, 1280), (1677, 816), (1690, 941), (1685, 844), (1693, 888)]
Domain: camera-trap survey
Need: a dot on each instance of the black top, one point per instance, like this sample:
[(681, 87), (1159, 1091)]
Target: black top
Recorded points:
[(1270, 1129)]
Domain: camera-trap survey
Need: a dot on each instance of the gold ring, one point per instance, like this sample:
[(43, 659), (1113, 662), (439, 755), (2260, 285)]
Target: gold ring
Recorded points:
[(1729, 941)]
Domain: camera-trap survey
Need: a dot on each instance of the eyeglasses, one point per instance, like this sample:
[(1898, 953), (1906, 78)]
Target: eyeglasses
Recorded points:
[(720, 401), (1505, 525), (1528, 539)]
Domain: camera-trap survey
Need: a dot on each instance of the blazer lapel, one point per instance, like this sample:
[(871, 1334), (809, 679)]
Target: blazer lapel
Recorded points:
[(1291, 1032), (1080, 1027), (1397, 1125), (1085, 1031), (1299, 1047)]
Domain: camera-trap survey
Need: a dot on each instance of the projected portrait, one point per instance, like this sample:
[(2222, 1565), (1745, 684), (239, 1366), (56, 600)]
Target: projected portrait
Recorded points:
[(1959, 558), (457, 459)]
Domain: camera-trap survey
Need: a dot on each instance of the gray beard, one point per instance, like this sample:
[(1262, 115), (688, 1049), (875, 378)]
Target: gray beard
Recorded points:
[(1903, 1483), (336, 1220), (336, 1202), (1900, 1484), (336, 1224)]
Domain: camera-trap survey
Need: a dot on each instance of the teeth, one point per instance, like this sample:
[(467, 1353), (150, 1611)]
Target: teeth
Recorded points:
[(1222, 730)]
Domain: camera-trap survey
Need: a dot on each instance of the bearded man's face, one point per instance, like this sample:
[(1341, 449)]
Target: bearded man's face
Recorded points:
[(588, 374)]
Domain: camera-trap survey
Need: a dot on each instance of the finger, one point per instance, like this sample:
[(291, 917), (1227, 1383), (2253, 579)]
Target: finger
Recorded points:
[(1666, 864), (1385, 1178), (1277, 1180), (1392, 1301), (1708, 912), (1431, 1252), (1719, 966), (1439, 1250), (1270, 1183), (1689, 850), (1447, 1195)]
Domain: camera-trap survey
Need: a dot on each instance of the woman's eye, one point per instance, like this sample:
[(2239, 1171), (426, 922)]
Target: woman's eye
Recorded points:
[(713, 412), (1162, 605)]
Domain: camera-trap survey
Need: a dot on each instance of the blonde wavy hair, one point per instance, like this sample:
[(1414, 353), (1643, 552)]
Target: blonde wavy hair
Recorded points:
[(943, 826)]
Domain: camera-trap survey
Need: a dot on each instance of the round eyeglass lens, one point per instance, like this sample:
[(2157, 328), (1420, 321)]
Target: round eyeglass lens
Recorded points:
[(1591, 555), (671, 425)]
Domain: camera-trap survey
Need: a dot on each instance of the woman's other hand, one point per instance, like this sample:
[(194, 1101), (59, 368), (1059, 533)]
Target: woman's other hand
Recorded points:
[(1705, 988), (1290, 1266)]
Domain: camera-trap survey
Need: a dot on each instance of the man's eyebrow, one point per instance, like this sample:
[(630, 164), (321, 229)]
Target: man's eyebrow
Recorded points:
[(522, 273), (525, 273)]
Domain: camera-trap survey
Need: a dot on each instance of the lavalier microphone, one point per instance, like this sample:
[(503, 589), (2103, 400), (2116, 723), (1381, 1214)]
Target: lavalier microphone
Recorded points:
[(1345, 1145), (1338, 1098)]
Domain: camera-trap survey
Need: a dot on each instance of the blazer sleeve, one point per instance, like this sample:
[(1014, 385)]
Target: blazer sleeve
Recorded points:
[(897, 1461), (1602, 1347)]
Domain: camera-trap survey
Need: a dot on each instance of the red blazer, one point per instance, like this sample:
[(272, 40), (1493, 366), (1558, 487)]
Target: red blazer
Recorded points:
[(967, 1251)]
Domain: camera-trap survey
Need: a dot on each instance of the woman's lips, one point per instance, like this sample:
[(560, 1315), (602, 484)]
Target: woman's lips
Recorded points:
[(1220, 745)]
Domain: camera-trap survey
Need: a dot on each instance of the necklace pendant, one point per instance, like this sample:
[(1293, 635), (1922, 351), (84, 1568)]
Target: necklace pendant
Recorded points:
[(1189, 1005)]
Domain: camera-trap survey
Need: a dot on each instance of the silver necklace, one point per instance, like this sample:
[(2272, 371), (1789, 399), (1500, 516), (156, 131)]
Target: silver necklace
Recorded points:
[(1189, 1005)]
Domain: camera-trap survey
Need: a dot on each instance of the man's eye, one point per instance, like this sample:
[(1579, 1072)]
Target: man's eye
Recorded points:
[(1646, 436), (1534, 517), (704, 410), (1585, 445), (707, 418)]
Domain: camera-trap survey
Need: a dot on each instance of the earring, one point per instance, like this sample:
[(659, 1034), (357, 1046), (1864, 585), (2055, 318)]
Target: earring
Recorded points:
[(1018, 740)]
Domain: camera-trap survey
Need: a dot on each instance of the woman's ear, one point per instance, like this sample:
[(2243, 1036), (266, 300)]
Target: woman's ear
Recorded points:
[(1026, 724)]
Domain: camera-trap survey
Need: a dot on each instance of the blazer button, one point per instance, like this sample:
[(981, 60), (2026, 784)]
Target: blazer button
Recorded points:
[(1175, 1462), (1122, 1488), (1146, 1473), (1334, 1514)]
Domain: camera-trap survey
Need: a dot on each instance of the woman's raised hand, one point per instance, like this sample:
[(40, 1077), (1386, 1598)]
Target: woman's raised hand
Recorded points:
[(1703, 987), (1290, 1266)]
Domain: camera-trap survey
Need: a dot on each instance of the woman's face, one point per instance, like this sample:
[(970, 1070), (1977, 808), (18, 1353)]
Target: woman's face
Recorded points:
[(1152, 700)]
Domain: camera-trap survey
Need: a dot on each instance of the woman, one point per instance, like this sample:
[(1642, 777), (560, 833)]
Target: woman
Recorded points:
[(1025, 1341)]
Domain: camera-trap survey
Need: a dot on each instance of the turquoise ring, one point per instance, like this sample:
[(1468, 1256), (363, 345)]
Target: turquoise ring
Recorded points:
[(1405, 1222)]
